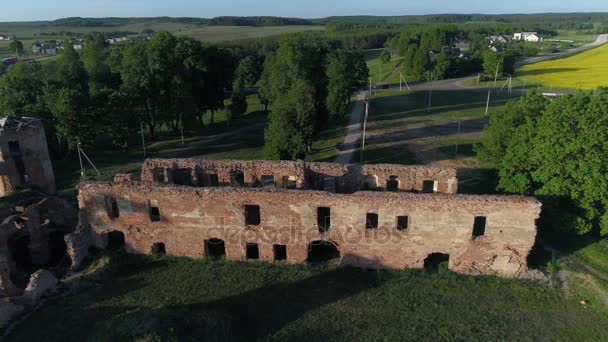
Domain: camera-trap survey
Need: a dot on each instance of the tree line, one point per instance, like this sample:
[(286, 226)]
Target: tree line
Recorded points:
[(169, 81), (556, 150)]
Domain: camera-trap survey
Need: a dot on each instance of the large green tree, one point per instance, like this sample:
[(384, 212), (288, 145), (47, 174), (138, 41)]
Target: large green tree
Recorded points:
[(346, 73), (21, 90)]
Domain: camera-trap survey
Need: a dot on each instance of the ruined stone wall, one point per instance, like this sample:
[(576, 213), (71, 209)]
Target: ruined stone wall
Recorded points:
[(436, 223), (34, 154), (329, 177), (37, 222)]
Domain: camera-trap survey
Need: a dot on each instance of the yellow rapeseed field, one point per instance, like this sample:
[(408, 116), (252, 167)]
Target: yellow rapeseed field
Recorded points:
[(587, 70)]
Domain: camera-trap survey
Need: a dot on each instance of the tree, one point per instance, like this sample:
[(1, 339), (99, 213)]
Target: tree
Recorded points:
[(559, 156), (493, 64), (385, 56), (20, 91), (299, 58), (345, 74), (17, 47), (443, 65), (502, 125), (247, 73), (291, 127), (237, 107)]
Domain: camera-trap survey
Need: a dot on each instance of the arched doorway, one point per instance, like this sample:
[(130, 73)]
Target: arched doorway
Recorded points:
[(322, 252), (437, 262), (116, 241), (215, 248)]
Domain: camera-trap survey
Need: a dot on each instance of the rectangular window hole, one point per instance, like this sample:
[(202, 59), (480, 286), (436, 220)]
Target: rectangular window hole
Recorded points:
[(213, 180), (112, 207), (182, 177), (280, 252), (252, 215), (402, 223), (154, 211), (371, 221), (159, 175), (323, 219), (392, 184), (252, 251), (159, 249), (268, 181), (428, 186), (290, 182), (479, 227)]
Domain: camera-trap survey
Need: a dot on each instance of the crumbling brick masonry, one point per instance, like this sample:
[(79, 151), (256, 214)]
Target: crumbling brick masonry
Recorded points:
[(24, 156), (288, 211)]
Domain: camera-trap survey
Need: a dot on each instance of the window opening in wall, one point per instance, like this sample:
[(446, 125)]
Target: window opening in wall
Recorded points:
[(402, 223), (252, 251), (323, 219), (371, 221), (479, 226), (159, 175), (182, 177), (116, 241), (280, 252), (268, 181), (289, 182), (215, 248), (428, 186), (112, 207), (437, 262), (322, 251), (252, 215), (154, 211), (238, 178), (15, 153), (158, 249), (392, 184), (213, 180)]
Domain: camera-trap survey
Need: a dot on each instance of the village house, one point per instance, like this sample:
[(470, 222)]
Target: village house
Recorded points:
[(4, 37), (500, 39), (533, 37), (48, 49)]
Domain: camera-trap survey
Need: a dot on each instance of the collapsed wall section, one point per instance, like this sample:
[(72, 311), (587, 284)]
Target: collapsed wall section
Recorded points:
[(481, 234)]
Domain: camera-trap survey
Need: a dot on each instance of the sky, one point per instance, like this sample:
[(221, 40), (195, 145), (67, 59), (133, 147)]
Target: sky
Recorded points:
[(29, 10)]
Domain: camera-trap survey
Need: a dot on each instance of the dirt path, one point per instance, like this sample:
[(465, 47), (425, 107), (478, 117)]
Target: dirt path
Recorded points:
[(353, 131)]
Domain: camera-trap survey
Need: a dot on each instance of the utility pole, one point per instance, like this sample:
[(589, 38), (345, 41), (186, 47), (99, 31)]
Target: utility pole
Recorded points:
[(430, 100), (143, 141), (488, 103), (380, 80), (80, 160), (364, 128), (496, 77), (181, 126), (370, 86), (401, 81), (458, 137)]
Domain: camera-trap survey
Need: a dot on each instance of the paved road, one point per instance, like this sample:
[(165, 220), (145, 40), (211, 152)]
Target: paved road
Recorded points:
[(353, 131), (601, 40)]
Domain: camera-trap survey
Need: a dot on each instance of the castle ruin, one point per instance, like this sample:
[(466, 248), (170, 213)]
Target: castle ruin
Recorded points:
[(24, 156), (370, 216)]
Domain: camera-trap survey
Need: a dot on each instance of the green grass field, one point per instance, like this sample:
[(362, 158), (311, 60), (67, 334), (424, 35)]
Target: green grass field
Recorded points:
[(177, 299), (212, 34), (384, 73), (587, 71)]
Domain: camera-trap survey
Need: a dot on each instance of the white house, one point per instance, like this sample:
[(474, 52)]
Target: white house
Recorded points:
[(533, 37)]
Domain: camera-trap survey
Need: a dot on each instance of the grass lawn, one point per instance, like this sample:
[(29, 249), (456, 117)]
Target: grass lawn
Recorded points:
[(587, 70), (161, 299), (214, 34)]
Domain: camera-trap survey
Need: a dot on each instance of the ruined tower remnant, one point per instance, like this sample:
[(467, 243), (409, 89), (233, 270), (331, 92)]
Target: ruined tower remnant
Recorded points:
[(372, 216), (24, 156)]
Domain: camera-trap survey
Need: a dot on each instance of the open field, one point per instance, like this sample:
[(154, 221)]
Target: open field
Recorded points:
[(159, 299), (212, 34), (587, 70)]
